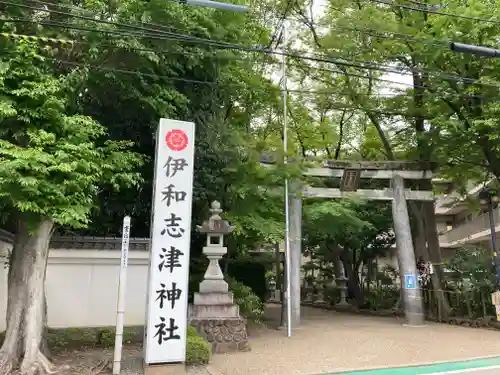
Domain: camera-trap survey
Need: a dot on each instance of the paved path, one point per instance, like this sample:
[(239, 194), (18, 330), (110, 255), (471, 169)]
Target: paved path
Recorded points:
[(330, 342)]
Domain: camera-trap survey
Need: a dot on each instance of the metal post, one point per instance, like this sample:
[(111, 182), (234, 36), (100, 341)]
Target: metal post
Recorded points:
[(496, 256), (287, 203), (122, 287), (490, 200)]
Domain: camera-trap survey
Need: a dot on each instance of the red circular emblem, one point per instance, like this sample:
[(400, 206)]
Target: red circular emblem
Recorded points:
[(176, 140)]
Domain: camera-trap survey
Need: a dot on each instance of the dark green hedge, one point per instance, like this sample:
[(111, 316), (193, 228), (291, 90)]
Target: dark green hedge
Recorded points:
[(249, 271), (252, 273)]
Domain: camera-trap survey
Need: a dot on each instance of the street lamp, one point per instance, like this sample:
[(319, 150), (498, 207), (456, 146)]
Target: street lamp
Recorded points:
[(490, 199), (475, 50), (217, 5)]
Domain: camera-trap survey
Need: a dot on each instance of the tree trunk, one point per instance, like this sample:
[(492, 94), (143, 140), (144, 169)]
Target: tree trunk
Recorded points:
[(353, 284), (431, 252), (21, 349), (44, 346), (434, 256)]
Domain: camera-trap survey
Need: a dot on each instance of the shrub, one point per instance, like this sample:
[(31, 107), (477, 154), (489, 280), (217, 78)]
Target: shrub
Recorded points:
[(71, 337), (251, 306), (106, 338), (191, 331), (382, 298), (198, 350)]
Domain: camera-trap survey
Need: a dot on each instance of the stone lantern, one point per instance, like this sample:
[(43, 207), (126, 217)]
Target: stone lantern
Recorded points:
[(341, 281), (214, 314), (215, 228)]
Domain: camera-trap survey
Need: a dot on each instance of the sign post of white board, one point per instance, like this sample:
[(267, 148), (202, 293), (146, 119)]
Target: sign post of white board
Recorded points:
[(122, 287), (166, 326)]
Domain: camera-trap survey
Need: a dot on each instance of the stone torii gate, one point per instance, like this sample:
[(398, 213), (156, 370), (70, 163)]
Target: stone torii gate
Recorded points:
[(350, 173)]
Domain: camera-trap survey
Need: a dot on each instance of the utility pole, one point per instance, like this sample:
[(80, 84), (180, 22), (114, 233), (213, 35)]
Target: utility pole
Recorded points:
[(217, 5), (288, 257), (489, 199)]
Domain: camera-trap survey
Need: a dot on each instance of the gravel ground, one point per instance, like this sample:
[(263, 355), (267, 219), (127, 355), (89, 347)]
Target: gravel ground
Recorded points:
[(332, 342), (326, 342)]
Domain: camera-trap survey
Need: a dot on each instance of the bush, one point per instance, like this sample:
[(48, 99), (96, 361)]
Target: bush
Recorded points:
[(191, 331), (251, 306), (106, 338), (382, 298), (198, 350)]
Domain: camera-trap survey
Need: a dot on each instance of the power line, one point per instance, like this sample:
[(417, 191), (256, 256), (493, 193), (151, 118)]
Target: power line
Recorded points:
[(65, 41), (413, 86), (229, 45), (208, 42), (322, 92), (432, 11), (79, 9), (350, 74), (38, 38), (125, 33), (335, 106), (424, 3), (162, 35), (100, 21), (313, 92), (373, 32), (382, 34), (219, 84)]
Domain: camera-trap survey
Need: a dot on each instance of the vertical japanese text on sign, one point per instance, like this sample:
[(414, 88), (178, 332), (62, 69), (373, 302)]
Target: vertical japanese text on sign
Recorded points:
[(165, 339)]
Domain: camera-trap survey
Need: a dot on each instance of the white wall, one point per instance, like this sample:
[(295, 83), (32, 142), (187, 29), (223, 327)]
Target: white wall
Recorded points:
[(82, 287), (82, 284)]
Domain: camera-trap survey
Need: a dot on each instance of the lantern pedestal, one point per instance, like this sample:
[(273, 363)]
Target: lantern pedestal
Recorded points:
[(225, 334), (214, 314)]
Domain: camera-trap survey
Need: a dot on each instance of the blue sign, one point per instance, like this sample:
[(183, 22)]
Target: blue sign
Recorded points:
[(410, 282)]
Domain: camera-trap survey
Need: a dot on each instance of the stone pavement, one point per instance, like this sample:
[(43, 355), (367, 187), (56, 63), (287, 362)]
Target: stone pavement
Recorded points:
[(330, 342)]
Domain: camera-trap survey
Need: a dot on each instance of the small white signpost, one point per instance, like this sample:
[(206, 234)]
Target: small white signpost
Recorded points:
[(495, 300), (122, 287), (166, 326)]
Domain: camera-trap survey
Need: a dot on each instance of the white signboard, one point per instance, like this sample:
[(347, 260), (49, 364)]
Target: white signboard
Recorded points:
[(166, 327)]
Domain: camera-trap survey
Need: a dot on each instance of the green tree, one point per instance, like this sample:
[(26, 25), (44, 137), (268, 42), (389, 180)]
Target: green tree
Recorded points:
[(351, 233), (53, 164), (141, 71)]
